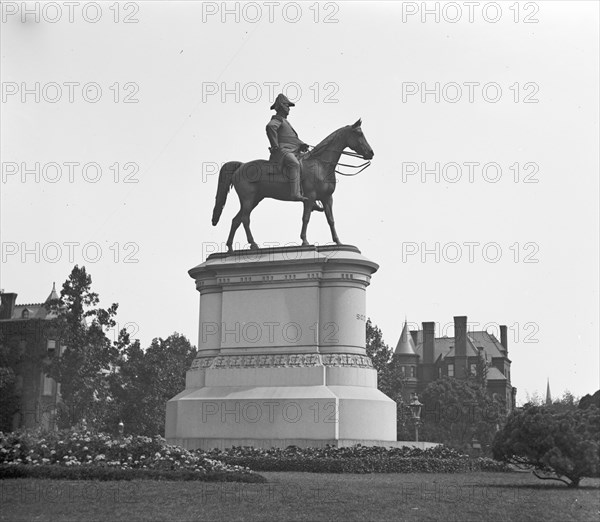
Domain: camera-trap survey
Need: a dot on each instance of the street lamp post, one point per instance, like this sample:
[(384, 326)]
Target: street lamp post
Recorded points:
[(415, 408)]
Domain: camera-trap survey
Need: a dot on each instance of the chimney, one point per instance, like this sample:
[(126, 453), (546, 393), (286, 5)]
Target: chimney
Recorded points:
[(504, 338), (7, 305), (460, 336), (428, 342)]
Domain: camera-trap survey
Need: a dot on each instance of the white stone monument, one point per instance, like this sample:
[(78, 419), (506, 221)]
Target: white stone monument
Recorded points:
[(281, 354)]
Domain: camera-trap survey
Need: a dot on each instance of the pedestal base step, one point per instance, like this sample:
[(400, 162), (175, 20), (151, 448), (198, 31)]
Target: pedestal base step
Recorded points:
[(222, 444)]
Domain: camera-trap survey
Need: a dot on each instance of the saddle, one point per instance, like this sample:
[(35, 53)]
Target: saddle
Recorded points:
[(271, 170)]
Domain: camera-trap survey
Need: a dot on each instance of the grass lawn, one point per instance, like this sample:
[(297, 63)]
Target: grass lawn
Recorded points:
[(306, 496)]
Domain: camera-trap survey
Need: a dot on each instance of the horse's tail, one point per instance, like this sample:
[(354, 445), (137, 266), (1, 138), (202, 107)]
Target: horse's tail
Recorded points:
[(225, 182)]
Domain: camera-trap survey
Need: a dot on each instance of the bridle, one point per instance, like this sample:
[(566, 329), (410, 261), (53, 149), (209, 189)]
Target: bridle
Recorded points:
[(362, 167)]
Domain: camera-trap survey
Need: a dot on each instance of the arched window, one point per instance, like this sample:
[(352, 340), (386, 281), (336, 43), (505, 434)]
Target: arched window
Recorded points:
[(25, 314)]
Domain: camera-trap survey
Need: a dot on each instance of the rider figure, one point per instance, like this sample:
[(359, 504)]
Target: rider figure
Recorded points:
[(285, 144)]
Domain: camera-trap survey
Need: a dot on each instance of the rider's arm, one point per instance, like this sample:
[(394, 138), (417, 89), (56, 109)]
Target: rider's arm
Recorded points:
[(272, 127)]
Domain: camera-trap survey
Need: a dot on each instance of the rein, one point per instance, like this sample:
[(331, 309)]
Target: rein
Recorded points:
[(353, 155)]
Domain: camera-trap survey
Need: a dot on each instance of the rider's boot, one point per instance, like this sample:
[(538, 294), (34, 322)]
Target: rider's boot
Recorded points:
[(295, 194)]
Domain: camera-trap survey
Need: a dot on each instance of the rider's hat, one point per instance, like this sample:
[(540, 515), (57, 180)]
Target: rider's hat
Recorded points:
[(281, 98)]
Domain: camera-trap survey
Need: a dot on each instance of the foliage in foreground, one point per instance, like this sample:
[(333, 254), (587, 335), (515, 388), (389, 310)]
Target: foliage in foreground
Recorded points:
[(98, 453), (558, 445), (356, 459)]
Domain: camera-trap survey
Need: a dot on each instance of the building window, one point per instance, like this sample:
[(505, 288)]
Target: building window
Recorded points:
[(25, 314), (450, 370), (47, 383), (51, 347), (413, 371)]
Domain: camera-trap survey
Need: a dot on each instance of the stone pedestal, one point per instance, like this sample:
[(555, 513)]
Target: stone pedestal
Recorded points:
[(281, 353)]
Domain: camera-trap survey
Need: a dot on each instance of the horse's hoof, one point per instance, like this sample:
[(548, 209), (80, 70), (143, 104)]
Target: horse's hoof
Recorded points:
[(253, 246), (305, 243)]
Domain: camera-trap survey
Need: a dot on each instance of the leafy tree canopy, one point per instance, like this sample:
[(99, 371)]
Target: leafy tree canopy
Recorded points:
[(559, 445), (457, 411), (88, 355), (147, 380)]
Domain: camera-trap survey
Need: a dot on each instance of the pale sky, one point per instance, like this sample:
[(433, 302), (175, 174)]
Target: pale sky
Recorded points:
[(519, 95)]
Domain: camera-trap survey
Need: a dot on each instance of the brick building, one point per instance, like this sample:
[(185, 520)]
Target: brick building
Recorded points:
[(26, 335), (424, 358)]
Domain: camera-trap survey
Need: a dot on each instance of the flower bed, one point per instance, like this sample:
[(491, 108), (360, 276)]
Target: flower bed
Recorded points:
[(83, 454), (356, 459), (100, 456)]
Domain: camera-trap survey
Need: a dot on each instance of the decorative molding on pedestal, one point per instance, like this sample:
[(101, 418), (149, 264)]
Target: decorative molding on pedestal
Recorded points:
[(295, 360), (350, 360)]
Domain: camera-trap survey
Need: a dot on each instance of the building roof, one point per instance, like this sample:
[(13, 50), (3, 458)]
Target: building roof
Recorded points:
[(488, 342), (405, 345), (472, 351), (36, 310), (494, 374), (444, 346)]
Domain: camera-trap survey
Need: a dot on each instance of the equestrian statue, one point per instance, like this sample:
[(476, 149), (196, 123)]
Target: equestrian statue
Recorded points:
[(290, 174)]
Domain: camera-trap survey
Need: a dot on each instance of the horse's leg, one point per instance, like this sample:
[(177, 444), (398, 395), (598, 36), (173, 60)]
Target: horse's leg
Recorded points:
[(235, 223), (247, 208), (308, 207), (328, 207)]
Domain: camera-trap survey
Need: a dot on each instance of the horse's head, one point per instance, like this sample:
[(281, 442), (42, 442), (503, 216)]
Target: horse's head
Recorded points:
[(357, 142)]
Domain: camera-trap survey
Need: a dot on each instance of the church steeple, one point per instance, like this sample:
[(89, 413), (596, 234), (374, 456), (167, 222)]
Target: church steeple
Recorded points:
[(548, 395), (405, 345)]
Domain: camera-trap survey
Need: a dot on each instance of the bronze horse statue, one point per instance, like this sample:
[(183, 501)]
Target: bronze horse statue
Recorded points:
[(259, 179)]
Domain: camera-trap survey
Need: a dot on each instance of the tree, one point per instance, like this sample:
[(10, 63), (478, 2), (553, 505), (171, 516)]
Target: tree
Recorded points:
[(88, 355), (147, 380), (568, 401), (559, 445), (389, 376), (481, 371), (589, 400), (379, 352), (9, 397), (456, 411), (390, 379)]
